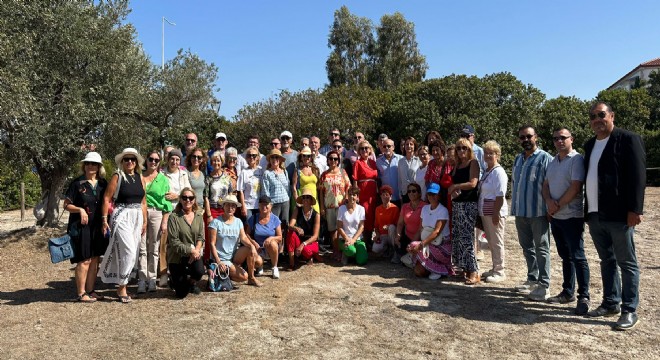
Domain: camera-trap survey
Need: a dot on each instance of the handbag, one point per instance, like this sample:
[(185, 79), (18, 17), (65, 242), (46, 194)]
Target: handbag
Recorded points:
[(219, 280), (60, 248)]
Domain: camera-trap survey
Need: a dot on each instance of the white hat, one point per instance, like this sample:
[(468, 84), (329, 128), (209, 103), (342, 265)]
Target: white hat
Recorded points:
[(129, 151), (220, 135), (94, 157), (230, 199), (286, 133)]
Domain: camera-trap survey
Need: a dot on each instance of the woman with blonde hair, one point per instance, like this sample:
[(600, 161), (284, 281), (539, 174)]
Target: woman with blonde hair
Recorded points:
[(275, 185), (365, 176), (219, 185), (84, 200)]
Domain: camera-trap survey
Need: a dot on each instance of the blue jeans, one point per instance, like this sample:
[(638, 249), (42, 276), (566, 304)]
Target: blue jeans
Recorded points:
[(570, 247), (615, 246), (534, 238)]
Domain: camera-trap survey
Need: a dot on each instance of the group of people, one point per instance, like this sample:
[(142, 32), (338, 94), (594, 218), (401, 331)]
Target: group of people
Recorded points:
[(425, 207)]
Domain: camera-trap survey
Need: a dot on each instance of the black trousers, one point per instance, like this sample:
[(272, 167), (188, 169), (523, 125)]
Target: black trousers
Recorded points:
[(183, 271)]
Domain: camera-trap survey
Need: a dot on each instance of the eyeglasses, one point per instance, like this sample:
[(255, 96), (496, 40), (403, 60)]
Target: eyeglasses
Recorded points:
[(562, 137), (154, 160), (526, 137), (196, 157), (274, 144), (132, 159), (336, 146), (412, 191), (252, 156), (191, 140), (600, 114), (364, 148), (333, 158), (187, 198), (462, 148), (285, 138), (334, 134)]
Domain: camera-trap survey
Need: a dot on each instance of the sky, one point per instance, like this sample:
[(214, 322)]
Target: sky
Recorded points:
[(570, 48)]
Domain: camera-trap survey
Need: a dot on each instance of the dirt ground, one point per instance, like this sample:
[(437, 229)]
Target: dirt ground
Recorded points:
[(323, 311)]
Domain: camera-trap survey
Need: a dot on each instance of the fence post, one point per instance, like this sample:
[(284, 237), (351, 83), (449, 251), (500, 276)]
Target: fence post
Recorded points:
[(22, 200)]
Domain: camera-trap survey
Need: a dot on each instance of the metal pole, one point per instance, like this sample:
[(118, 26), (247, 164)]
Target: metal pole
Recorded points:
[(22, 201)]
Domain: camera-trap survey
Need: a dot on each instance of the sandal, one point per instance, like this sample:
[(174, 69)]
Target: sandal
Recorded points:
[(95, 295), (85, 298), (124, 299)]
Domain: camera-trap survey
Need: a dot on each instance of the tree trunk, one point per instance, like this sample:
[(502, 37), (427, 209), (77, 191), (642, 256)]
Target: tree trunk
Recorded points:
[(53, 182)]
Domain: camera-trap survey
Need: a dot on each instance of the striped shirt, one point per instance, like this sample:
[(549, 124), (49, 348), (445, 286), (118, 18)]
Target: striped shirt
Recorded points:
[(275, 186), (527, 183)]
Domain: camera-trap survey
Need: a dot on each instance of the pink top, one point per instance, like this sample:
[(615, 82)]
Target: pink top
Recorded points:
[(412, 219)]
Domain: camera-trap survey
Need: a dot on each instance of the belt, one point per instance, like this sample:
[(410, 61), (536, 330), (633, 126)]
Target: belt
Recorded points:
[(365, 180)]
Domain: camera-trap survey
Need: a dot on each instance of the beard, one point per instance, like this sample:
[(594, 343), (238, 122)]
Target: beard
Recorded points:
[(527, 145)]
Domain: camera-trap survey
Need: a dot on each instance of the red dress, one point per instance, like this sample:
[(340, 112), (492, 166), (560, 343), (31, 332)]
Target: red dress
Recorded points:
[(366, 173)]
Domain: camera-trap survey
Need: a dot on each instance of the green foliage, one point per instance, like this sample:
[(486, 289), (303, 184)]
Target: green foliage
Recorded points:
[(568, 112), (351, 40)]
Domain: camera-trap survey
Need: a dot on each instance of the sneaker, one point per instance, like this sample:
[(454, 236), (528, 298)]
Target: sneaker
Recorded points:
[(561, 298), (526, 287), (163, 281), (151, 286), (626, 321), (434, 276), (582, 307), (276, 273), (324, 250), (603, 311), (538, 294), (487, 274), (142, 287), (495, 278), (259, 271), (407, 260)]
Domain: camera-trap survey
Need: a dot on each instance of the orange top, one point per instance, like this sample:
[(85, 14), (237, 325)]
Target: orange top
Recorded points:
[(385, 217)]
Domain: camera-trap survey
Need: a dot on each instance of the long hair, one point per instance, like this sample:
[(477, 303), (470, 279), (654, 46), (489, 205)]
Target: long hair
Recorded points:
[(202, 163), (179, 207)]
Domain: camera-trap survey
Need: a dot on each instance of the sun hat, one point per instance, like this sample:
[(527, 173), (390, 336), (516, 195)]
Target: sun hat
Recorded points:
[(129, 151), (275, 152), (433, 189), (220, 135), (305, 151), (94, 157), (286, 133), (306, 192), (230, 199)]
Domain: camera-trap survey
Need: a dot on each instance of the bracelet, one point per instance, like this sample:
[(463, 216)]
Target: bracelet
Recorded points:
[(104, 216)]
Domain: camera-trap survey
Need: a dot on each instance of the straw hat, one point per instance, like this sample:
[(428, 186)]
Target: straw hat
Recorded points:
[(275, 152), (230, 199), (129, 151), (305, 192), (305, 151)]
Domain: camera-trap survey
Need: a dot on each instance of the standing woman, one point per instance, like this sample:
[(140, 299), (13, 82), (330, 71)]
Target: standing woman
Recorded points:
[(333, 189), (365, 175), (275, 185), (248, 183), (84, 200), (127, 223), (158, 210), (307, 176), (464, 215), (493, 209), (196, 166), (420, 174), (408, 165), (219, 185), (232, 168)]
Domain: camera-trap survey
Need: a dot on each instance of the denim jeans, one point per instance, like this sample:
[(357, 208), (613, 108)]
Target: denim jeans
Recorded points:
[(615, 246), (570, 247), (534, 238)]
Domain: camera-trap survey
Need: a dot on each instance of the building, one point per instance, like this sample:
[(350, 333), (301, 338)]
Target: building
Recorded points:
[(637, 75)]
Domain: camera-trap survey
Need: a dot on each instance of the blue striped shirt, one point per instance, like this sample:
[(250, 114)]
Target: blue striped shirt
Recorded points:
[(275, 186), (527, 183)]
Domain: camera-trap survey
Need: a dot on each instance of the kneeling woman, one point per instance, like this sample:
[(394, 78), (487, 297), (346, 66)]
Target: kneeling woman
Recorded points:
[(304, 230), (432, 249), (185, 243), (227, 232), (350, 225)]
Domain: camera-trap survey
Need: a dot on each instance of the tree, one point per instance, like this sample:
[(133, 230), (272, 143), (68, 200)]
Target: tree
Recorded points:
[(569, 112), (351, 40)]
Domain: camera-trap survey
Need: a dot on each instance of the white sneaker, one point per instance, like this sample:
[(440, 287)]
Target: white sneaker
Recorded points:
[(142, 287), (495, 278), (526, 287), (538, 294), (434, 276), (259, 272), (407, 260), (151, 286), (276, 273)]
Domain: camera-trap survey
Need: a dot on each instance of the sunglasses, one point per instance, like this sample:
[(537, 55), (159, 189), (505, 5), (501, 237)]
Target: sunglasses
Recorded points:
[(187, 198), (153, 160), (334, 134), (333, 158), (132, 159), (562, 137), (285, 138), (412, 191), (526, 137), (90, 163), (364, 148), (191, 140), (307, 156), (307, 197), (600, 115), (252, 156), (196, 157), (336, 146), (466, 136), (221, 139), (274, 144), (462, 148), (232, 158)]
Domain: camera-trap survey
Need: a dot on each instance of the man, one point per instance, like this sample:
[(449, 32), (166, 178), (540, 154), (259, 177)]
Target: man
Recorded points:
[(615, 161), (379, 144), (290, 155), (189, 146), (274, 144), (219, 144), (253, 140), (352, 154), (319, 160), (527, 205), (388, 170), (562, 191), (304, 142), (334, 135)]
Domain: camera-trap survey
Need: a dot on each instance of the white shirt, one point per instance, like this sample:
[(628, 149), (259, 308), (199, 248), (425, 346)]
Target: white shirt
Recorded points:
[(592, 174), (350, 222), (321, 162), (431, 217), (248, 183), (492, 185)]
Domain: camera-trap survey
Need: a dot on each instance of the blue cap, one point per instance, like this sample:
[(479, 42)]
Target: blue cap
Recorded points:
[(433, 189)]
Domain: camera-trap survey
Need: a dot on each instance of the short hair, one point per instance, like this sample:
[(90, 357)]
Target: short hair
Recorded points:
[(562, 128), (179, 206), (217, 155), (465, 142), (353, 190), (333, 152), (416, 186), (439, 144), (526, 126), (410, 138), (493, 146), (386, 188), (423, 147), (254, 136), (231, 151), (365, 143), (600, 102), (202, 163), (252, 148), (339, 141)]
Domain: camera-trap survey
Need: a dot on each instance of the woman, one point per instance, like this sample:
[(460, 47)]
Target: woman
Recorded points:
[(350, 225), (219, 185), (178, 180), (196, 166), (185, 244), (493, 209), (304, 227), (439, 170), (264, 230), (231, 164), (84, 200), (407, 166), (248, 183), (158, 210), (387, 216), (128, 222), (226, 233), (432, 136), (306, 177), (420, 174), (365, 176), (464, 196), (275, 185), (409, 223), (431, 250), (333, 188)]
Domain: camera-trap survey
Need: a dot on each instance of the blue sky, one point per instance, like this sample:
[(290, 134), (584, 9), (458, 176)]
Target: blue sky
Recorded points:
[(561, 47)]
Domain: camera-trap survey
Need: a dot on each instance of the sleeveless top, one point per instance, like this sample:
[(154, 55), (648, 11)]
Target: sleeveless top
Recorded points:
[(306, 225), (198, 184), (131, 190), (308, 182), (463, 176)]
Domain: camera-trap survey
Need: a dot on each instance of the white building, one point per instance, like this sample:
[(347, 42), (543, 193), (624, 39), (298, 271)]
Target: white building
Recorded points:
[(640, 73)]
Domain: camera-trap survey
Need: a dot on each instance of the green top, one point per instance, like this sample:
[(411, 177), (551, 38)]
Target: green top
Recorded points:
[(156, 191), (181, 235)]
